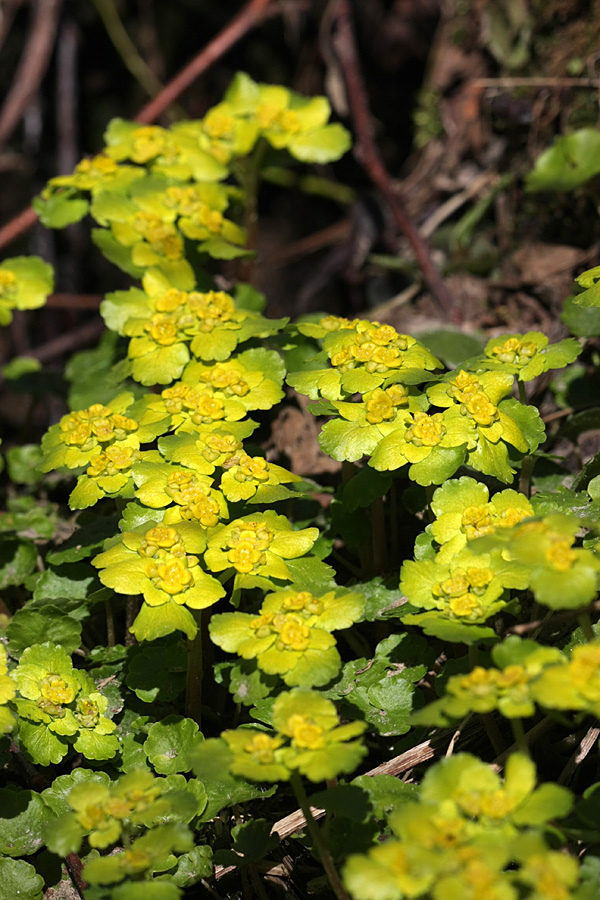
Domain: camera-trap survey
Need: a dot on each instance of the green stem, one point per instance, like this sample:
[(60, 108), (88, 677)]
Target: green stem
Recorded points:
[(473, 655), (522, 394), (320, 845), (520, 736), (528, 462), (195, 672), (585, 623), (126, 49)]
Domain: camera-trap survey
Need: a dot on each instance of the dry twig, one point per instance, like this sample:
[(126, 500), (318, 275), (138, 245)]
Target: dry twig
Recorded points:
[(32, 66), (367, 152)]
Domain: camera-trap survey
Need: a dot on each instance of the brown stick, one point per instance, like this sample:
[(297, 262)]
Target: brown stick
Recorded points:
[(32, 66), (18, 226), (247, 18), (74, 301), (368, 154)]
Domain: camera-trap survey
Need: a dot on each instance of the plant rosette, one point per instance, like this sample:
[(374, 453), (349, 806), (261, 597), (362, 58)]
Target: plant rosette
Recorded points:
[(101, 812), (497, 422), (256, 548), (561, 575), (59, 705), (170, 152), (183, 407), (469, 588), (206, 449), (309, 739), (464, 511), (572, 684), (253, 378), (434, 445), (8, 689), (186, 494), (362, 425), (291, 636), (81, 436), (364, 358), (160, 562), (465, 834), (286, 119), (25, 283), (528, 355), (511, 689), (109, 475), (253, 479)]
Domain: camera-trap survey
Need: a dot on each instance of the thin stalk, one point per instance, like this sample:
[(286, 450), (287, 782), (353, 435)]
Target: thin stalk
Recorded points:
[(132, 606), (493, 733), (394, 536), (473, 655), (315, 833), (249, 176), (195, 672), (585, 623), (520, 736), (110, 624), (378, 536), (528, 462)]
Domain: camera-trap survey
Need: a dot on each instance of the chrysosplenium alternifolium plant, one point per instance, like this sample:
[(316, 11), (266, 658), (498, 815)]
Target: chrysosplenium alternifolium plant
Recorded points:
[(212, 555)]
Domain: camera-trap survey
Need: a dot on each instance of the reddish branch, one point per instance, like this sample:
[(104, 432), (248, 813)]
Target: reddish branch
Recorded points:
[(32, 65), (369, 156), (247, 18)]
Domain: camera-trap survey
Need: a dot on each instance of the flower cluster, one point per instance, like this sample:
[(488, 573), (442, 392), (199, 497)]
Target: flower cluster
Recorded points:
[(25, 283), (160, 562), (560, 574), (470, 836), (461, 418), (8, 690), (152, 188), (308, 739), (84, 435), (169, 321), (59, 706), (258, 546), (101, 811), (291, 635), (528, 355)]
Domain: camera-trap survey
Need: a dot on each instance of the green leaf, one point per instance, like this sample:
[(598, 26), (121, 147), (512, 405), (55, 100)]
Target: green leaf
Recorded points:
[(348, 800), (379, 598), (72, 581), (19, 879), (448, 630), (193, 866), (452, 347), (22, 817), (365, 487), (528, 419), (209, 761), (254, 839), (385, 792), (581, 321), (56, 796), (157, 672), (569, 162), (34, 626), (60, 209), (145, 890), (22, 463), (154, 622), (42, 745), (549, 801), (169, 742), (115, 252), (86, 540), (248, 684), (17, 561)]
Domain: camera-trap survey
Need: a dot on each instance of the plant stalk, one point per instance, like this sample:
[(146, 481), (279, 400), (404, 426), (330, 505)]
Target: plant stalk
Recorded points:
[(195, 672), (313, 829)]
